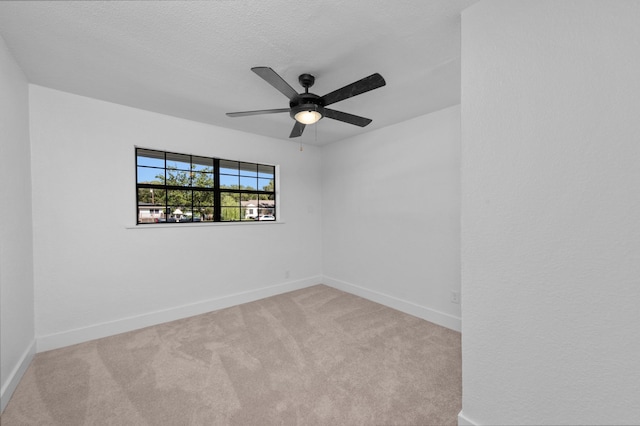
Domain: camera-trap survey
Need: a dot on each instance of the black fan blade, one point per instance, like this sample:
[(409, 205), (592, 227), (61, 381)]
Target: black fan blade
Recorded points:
[(258, 112), (346, 117), (361, 86), (297, 130), (272, 77)]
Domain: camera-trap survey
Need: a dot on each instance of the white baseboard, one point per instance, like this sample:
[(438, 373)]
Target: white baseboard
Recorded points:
[(464, 421), (431, 315), (97, 331), (9, 386)]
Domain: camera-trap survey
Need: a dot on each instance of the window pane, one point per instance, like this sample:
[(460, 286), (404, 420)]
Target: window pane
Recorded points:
[(229, 167), (265, 185), (178, 178), (230, 182), (147, 157), (230, 199), (248, 197), (177, 214), (151, 196), (267, 172), (202, 180), (249, 169), (249, 204), (180, 199), (230, 213), (248, 182), (150, 205), (147, 215), (202, 164), (249, 213), (267, 205), (267, 198), (203, 206), (178, 161), (205, 214), (202, 199), (150, 175)]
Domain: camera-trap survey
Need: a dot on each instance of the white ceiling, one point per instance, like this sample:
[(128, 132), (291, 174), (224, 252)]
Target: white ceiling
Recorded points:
[(193, 59)]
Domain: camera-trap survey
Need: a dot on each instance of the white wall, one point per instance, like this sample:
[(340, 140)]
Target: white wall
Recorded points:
[(97, 274), (550, 212), (16, 243), (391, 215)]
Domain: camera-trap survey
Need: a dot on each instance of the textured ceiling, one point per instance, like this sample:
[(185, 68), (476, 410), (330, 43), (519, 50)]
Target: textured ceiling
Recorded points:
[(193, 59)]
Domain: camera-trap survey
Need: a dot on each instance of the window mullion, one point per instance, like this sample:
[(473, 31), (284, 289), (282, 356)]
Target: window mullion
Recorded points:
[(217, 199)]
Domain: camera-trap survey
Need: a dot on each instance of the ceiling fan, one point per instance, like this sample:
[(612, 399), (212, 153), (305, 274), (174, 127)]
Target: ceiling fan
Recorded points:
[(307, 108)]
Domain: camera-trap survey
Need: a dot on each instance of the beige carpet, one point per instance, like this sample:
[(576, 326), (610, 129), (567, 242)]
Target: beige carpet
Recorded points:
[(316, 356)]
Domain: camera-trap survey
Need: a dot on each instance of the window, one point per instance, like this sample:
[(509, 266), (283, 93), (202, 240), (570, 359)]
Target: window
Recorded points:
[(177, 188)]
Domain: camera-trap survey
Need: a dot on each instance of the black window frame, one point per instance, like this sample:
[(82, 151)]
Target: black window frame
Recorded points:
[(210, 187)]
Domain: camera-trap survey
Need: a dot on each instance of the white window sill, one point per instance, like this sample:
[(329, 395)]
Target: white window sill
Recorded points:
[(204, 224)]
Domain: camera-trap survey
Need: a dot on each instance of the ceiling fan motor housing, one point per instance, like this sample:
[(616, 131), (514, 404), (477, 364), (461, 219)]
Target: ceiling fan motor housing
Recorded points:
[(306, 102)]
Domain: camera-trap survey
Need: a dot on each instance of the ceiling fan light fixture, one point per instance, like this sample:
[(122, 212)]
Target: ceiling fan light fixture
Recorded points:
[(307, 112), (308, 116)]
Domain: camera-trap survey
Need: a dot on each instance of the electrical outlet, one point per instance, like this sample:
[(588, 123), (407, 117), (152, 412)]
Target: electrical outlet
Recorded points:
[(455, 297), (287, 273)]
